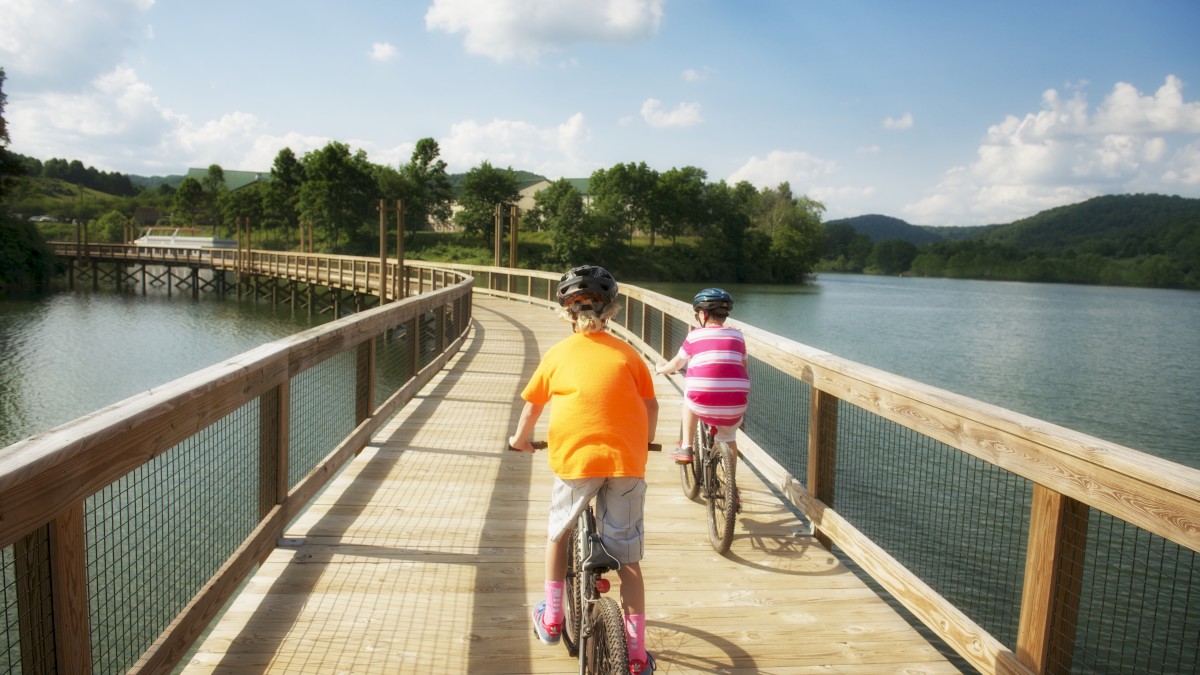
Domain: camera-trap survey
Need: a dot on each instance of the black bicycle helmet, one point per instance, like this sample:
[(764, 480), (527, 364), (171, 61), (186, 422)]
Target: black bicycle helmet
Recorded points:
[(714, 301), (586, 282)]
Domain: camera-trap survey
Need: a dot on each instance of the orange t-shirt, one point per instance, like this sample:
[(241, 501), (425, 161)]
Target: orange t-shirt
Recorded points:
[(598, 384)]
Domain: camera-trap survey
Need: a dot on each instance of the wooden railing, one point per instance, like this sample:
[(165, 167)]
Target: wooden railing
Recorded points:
[(191, 483), (1068, 474), (1070, 487)]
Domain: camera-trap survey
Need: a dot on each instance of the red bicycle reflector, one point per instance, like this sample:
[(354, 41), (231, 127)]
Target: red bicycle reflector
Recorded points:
[(602, 585)]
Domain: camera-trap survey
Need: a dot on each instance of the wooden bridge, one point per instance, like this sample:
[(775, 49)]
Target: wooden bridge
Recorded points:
[(352, 480), (426, 554)]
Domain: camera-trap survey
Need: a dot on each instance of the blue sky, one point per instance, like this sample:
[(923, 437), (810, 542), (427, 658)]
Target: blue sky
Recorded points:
[(940, 113)]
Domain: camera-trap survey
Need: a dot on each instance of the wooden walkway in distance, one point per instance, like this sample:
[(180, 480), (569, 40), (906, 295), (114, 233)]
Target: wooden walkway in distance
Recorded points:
[(426, 554)]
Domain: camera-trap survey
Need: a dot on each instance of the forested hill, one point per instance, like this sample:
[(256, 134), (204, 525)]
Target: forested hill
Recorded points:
[(1120, 225), (886, 228), (1135, 240)]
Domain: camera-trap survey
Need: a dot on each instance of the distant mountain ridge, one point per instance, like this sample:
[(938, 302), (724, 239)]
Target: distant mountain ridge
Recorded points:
[(1109, 217)]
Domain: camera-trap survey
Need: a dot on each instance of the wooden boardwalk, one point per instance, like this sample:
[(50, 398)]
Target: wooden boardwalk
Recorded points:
[(425, 555)]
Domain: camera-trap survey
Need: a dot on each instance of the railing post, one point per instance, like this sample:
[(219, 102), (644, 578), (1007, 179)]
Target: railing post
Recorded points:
[(416, 345), (364, 398), (52, 591), (822, 451), (1053, 577), (273, 448), (441, 329)]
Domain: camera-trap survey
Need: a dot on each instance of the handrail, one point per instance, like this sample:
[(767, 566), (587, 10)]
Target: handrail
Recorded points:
[(1069, 474), (1070, 492), (65, 493)]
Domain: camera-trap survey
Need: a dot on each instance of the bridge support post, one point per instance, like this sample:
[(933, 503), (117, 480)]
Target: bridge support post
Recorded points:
[(401, 276), (822, 452), (383, 247), (1053, 578)]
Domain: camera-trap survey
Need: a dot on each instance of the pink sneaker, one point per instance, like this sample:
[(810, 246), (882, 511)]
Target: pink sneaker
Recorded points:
[(549, 635), (646, 667)]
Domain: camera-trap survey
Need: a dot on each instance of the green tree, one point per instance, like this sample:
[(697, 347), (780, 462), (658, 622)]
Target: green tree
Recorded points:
[(339, 194), (9, 165), (282, 195), (215, 193), (247, 202), (626, 193), (560, 211), (189, 201), (679, 206), (425, 187), (892, 256), (482, 189), (110, 228)]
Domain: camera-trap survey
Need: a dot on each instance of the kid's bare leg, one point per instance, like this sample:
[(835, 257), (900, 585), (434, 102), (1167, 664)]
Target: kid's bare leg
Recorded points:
[(556, 557), (633, 589)]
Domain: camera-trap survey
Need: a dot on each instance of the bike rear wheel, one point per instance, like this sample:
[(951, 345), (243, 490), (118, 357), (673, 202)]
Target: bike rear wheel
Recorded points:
[(719, 491), (607, 652), (689, 474), (573, 591)]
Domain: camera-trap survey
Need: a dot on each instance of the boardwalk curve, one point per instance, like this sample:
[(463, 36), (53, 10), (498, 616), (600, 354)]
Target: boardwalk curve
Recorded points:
[(425, 554)]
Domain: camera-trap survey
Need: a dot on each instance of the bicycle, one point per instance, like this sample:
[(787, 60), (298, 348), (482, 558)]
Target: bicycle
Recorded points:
[(710, 475), (594, 625)]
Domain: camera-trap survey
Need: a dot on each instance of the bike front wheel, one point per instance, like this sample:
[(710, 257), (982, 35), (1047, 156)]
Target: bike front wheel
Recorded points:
[(720, 491), (607, 652)]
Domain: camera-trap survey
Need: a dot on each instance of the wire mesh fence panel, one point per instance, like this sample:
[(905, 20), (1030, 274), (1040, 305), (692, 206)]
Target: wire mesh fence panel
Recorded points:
[(321, 412), (652, 328), (777, 416), (674, 331), (1138, 600), (28, 615), (427, 341), (957, 522), (393, 361), (631, 317), (158, 534)]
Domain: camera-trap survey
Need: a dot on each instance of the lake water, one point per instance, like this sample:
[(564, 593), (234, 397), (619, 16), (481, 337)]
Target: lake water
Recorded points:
[(71, 353), (1122, 364), (1117, 363)]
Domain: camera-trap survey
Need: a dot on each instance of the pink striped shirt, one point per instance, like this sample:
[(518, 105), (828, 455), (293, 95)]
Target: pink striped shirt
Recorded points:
[(717, 381)]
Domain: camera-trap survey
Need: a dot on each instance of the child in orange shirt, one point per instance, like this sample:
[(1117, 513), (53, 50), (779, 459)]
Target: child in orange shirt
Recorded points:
[(604, 415)]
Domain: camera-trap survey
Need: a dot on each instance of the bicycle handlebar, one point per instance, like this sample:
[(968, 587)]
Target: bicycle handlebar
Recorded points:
[(541, 445)]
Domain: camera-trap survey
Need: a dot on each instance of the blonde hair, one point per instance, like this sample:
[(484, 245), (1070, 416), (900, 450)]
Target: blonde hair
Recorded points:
[(585, 319)]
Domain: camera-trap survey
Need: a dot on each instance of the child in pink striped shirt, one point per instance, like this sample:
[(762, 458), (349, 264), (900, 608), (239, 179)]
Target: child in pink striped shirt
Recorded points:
[(717, 384)]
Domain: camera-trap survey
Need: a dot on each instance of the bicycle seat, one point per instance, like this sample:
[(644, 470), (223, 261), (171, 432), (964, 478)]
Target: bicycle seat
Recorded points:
[(599, 557)]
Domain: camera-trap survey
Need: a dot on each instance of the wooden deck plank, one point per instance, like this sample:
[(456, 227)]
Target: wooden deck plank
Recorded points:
[(425, 555)]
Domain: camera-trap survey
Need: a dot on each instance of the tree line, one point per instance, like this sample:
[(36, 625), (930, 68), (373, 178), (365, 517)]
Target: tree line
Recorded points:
[(1113, 240)]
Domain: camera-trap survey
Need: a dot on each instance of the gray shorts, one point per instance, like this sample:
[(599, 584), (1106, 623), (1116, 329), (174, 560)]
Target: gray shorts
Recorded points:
[(620, 503)]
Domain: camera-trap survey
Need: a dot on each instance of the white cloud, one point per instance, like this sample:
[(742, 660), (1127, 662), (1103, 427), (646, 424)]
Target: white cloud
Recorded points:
[(383, 52), (868, 150), (1066, 153), (117, 109), (509, 29), (57, 43), (905, 121), (684, 114), (1184, 168), (799, 169), (693, 75), (550, 151)]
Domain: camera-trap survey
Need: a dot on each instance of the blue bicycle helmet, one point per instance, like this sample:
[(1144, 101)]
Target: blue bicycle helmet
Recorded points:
[(587, 282), (715, 301)]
